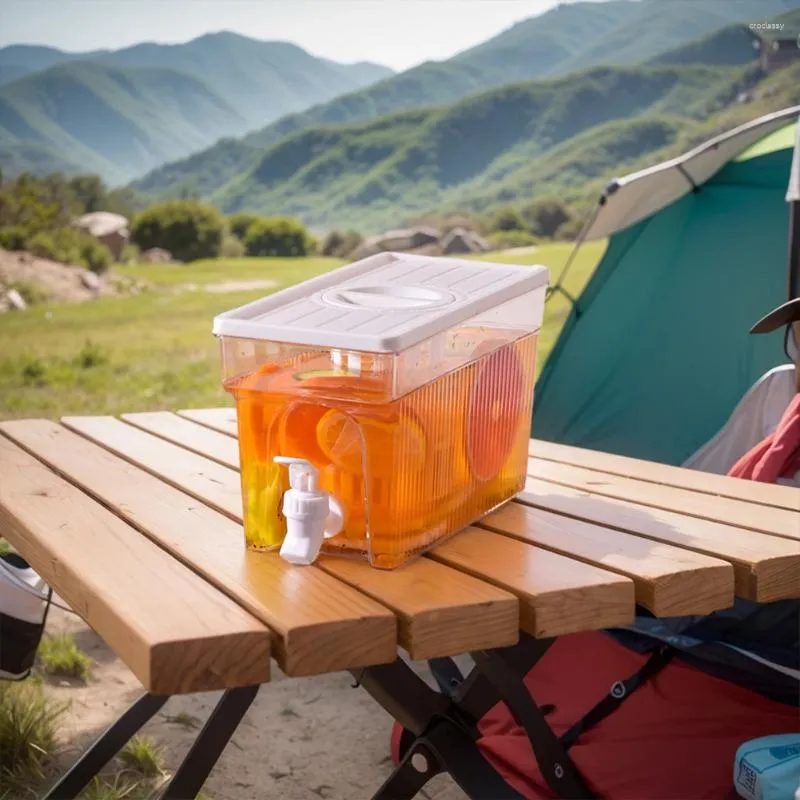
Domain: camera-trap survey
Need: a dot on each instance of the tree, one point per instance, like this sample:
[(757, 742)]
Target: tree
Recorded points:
[(90, 192), (545, 216), (188, 229), (278, 236)]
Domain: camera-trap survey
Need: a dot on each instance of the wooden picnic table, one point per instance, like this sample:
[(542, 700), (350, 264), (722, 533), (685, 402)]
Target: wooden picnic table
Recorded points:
[(136, 523)]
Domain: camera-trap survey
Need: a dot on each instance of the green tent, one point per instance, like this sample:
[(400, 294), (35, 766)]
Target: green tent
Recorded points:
[(656, 351)]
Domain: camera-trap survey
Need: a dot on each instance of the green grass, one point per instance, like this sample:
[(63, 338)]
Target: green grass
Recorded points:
[(28, 724), (60, 657), (117, 787), (156, 351), (142, 756)]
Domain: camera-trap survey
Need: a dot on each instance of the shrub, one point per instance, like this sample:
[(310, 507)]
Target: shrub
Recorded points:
[(71, 246), (279, 236), (231, 247), (130, 254), (13, 238), (570, 230), (545, 216), (340, 245), (240, 223), (500, 240), (188, 229), (95, 256), (507, 219)]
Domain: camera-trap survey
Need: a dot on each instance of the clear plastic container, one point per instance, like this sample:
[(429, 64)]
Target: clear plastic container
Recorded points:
[(405, 382)]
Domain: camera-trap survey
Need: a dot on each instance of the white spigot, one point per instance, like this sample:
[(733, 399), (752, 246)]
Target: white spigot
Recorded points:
[(311, 514)]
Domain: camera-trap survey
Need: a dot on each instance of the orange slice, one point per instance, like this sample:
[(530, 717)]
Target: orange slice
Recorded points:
[(339, 439), (398, 444), (494, 408), (297, 432)]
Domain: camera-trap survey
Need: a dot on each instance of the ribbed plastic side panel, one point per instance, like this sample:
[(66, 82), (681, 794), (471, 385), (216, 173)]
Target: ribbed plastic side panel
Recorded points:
[(408, 472)]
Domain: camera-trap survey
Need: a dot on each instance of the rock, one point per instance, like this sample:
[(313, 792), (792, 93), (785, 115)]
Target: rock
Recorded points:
[(90, 280), (110, 229), (461, 240), (15, 301), (156, 255)]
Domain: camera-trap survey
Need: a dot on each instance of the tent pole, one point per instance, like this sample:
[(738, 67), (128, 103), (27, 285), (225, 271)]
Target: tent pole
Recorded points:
[(558, 287)]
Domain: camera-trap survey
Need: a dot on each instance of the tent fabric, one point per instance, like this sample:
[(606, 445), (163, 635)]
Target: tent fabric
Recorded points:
[(675, 736), (656, 352), (643, 193)]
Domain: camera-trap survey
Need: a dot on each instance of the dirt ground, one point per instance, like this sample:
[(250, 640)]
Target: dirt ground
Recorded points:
[(62, 282), (302, 739)]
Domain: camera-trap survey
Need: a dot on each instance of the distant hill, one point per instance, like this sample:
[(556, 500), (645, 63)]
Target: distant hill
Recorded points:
[(229, 84), (496, 147), (18, 60), (113, 122), (730, 45), (569, 37)]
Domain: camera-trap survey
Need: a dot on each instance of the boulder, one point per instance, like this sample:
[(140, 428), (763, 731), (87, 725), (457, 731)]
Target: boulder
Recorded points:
[(110, 229)]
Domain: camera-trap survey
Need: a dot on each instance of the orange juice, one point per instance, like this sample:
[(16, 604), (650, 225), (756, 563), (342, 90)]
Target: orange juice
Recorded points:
[(414, 444)]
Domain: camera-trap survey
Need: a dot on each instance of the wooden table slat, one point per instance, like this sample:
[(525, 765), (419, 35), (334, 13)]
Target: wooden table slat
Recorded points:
[(204, 479), (669, 581), (222, 420), (396, 588), (191, 435), (175, 631), (738, 513), (557, 595), (333, 628), (481, 615), (766, 568), (768, 494)]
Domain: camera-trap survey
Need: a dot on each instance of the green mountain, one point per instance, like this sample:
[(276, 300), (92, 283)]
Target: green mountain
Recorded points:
[(732, 45), (566, 136), (473, 152), (160, 101), (569, 37), (262, 81), (18, 60), (113, 122)]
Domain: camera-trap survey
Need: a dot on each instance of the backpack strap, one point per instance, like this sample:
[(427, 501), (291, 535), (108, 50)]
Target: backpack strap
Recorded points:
[(617, 694), (706, 629)]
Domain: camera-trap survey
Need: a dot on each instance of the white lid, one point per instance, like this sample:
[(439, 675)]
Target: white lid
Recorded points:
[(381, 304)]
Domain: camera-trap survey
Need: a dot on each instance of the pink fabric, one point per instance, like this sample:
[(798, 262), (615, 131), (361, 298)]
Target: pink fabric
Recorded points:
[(777, 456)]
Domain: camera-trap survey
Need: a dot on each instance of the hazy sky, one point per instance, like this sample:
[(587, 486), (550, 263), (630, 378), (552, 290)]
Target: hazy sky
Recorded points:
[(398, 33)]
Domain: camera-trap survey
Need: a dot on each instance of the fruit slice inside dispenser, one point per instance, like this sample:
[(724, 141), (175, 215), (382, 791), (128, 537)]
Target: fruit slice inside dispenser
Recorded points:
[(297, 432), (390, 443), (494, 409)]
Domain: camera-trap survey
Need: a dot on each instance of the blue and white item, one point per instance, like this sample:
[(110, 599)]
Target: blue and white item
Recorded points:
[(769, 768)]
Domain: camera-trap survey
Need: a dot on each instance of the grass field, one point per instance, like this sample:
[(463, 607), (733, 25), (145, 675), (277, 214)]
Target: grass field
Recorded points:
[(156, 351)]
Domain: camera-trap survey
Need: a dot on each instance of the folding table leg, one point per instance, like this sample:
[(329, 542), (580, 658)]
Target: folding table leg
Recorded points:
[(444, 740), (556, 766), (106, 747), (208, 747)]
